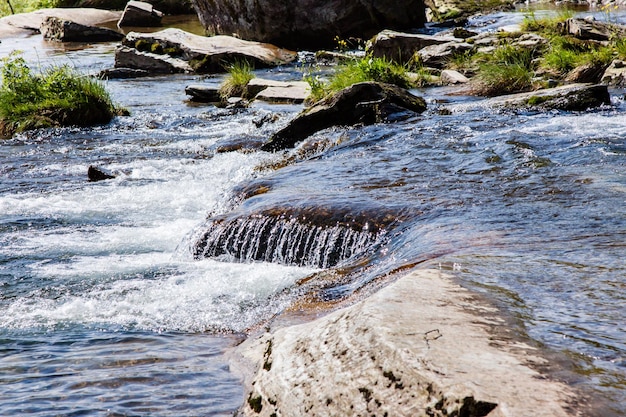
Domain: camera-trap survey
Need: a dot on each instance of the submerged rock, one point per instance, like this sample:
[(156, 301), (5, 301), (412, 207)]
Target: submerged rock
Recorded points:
[(366, 103), (308, 24), (174, 50), (96, 174), (319, 237), (422, 346), (56, 29)]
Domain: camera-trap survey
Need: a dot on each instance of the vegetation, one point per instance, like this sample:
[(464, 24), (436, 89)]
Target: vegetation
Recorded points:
[(23, 6), (365, 69), (56, 96), (547, 25), (239, 75), (506, 70)]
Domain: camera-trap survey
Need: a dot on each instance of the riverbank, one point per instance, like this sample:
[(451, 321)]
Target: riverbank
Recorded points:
[(421, 346)]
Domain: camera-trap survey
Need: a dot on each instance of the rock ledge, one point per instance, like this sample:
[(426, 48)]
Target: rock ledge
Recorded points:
[(420, 346)]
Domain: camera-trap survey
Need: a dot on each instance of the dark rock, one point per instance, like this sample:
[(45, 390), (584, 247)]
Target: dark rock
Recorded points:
[(308, 24), (587, 73), (96, 174), (140, 14), (122, 73), (57, 29), (462, 33), (615, 74), (307, 236), (174, 50), (203, 93), (367, 103), (400, 47), (571, 97)]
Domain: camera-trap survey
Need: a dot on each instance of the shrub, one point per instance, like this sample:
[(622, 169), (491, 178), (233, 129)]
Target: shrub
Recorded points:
[(548, 25), (57, 96), (239, 75)]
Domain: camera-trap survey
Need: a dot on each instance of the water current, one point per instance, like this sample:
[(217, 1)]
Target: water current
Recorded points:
[(105, 310)]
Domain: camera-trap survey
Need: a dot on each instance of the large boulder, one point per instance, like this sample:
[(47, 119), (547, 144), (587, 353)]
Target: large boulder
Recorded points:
[(140, 14), (400, 47), (366, 103), (56, 29), (174, 50), (308, 24), (590, 29)]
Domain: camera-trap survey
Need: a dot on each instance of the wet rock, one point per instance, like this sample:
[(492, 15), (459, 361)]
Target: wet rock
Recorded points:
[(589, 29), (615, 74), (319, 237), (366, 103), (438, 56), (122, 73), (587, 73), (421, 346), (571, 97), (400, 47), (180, 51), (203, 93), (96, 174), (56, 29), (308, 24), (140, 14)]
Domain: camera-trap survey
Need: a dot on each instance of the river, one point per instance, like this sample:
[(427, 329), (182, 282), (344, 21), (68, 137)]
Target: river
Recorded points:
[(104, 309)]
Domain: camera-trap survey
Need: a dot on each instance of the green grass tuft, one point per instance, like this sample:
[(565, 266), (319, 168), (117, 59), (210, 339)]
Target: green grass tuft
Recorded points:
[(507, 69), (57, 96), (239, 75)]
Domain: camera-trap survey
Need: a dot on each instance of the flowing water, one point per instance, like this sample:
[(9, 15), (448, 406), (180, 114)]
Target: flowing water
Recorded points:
[(108, 306)]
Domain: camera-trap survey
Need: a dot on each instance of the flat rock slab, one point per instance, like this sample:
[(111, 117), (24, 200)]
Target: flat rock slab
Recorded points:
[(571, 97), (24, 24), (139, 13), (294, 92), (421, 346), (202, 53)]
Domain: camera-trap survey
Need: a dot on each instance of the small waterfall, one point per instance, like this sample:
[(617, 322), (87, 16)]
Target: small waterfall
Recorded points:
[(289, 238)]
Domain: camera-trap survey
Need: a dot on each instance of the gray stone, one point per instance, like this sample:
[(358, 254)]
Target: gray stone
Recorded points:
[(438, 56), (140, 14), (56, 29), (185, 52), (272, 91), (400, 47), (451, 77), (308, 24), (615, 74), (589, 29), (421, 346), (364, 103)]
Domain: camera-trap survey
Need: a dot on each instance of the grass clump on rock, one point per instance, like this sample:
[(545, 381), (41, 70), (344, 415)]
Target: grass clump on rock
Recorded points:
[(56, 96), (239, 75), (361, 70)]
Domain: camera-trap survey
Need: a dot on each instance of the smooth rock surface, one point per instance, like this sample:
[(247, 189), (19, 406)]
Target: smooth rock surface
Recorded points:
[(201, 53), (422, 346), (308, 24), (274, 91), (24, 24), (364, 103)]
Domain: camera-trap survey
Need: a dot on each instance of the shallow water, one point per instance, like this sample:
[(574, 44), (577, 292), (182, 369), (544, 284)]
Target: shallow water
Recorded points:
[(105, 311)]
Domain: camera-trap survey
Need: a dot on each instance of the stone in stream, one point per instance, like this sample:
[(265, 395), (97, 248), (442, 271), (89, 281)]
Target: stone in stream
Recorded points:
[(56, 29), (400, 47), (140, 14), (96, 174), (362, 103), (174, 50)]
